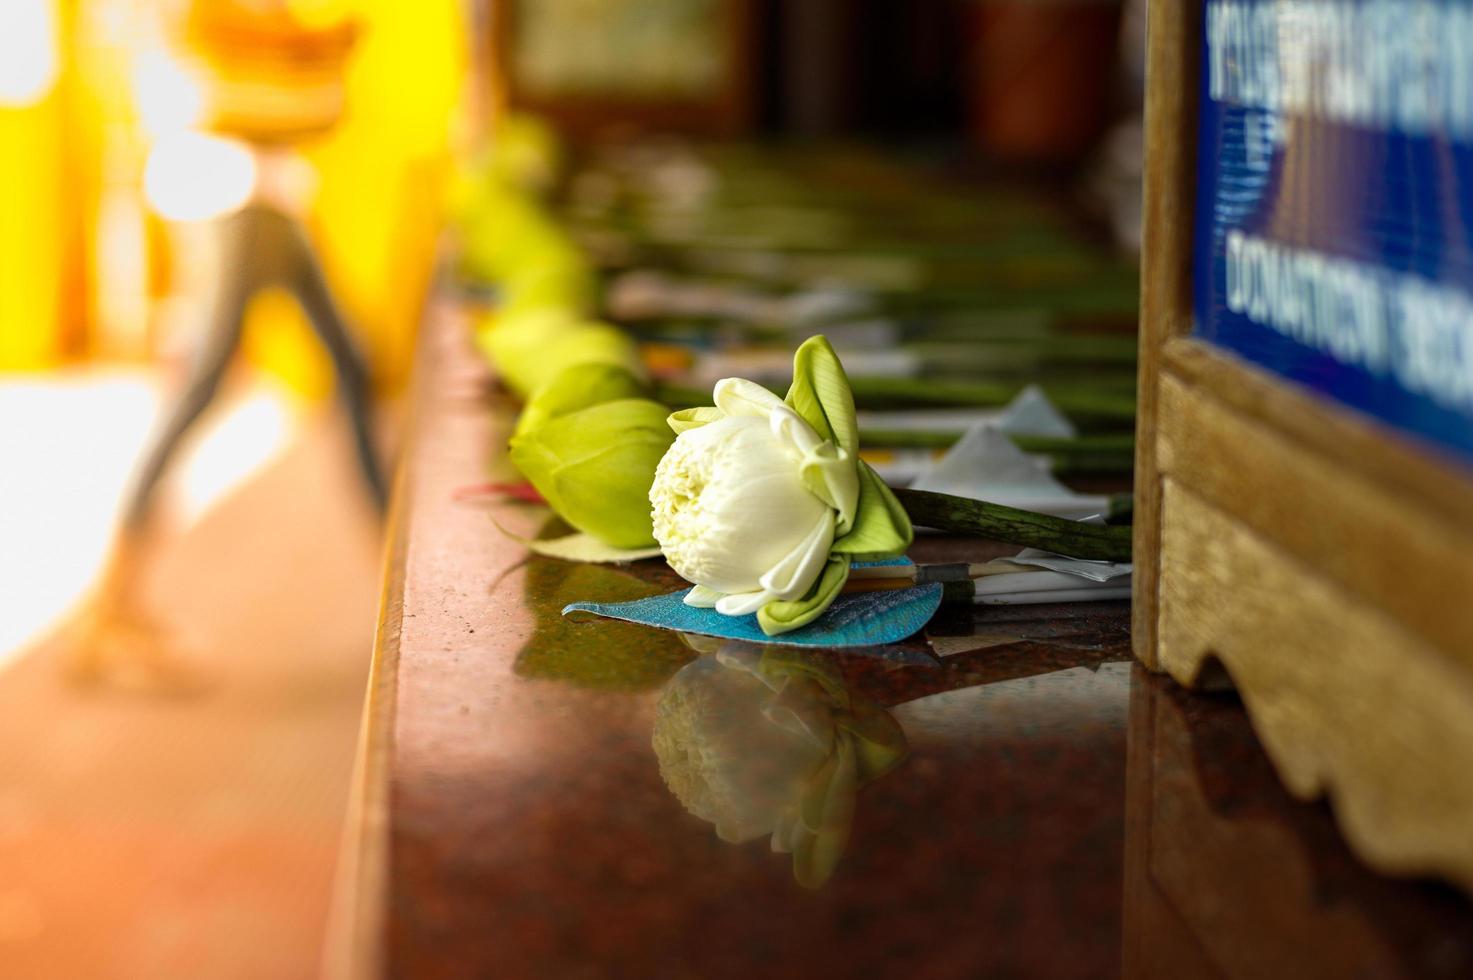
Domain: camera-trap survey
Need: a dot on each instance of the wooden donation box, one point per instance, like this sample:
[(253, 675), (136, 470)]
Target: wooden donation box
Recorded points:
[(1305, 471)]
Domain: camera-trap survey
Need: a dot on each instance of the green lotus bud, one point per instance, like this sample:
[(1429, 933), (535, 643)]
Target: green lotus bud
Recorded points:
[(525, 155), (530, 349), (578, 387), (526, 152), (557, 278), (504, 230), (594, 467), (509, 339)]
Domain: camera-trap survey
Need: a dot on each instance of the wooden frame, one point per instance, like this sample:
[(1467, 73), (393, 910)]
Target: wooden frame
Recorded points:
[(1324, 562), (728, 112)]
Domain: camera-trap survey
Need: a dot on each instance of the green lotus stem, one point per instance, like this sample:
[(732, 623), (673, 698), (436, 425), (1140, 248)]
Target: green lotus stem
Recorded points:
[(941, 341), (1121, 509), (960, 515), (1123, 445), (1010, 357), (1086, 463), (1111, 292), (963, 349), (1095, 402), (1066, 456)]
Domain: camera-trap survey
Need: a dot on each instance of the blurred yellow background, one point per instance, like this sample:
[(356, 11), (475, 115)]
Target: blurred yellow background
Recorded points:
[(92, 98)]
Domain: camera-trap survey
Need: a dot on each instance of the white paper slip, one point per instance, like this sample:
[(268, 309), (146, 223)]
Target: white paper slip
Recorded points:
[(986, 465), (1021, 582), (1047, 577), (1099, 593), (1032, 414), (849, 336), (1029, 414), (1098, 571), (826, 303), (928, 419)]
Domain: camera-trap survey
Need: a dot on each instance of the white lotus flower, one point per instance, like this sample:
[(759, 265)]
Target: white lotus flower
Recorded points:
[(764, 503), (748, 505)]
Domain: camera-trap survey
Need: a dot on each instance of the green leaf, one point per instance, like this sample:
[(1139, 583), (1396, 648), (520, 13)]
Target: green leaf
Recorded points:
[(882, 529), (780, 617), (822, 396), (586, 548), (579, 547), (507, 231), (694, 418), (834, 481)]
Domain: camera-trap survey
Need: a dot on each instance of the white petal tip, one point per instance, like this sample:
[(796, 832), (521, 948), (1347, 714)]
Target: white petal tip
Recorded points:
[(743, 605)]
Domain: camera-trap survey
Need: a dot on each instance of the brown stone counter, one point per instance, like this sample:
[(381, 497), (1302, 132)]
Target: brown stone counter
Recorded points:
[(1059, 813)]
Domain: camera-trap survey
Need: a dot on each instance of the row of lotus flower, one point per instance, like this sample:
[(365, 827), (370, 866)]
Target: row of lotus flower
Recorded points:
[(761, 502)]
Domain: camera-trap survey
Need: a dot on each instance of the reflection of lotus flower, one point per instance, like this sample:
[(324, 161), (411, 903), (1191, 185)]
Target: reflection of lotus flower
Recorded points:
[(771, 744)]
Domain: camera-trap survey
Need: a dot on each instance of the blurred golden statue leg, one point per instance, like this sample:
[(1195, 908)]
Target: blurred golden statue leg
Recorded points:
[(115, 641), (310, 288)]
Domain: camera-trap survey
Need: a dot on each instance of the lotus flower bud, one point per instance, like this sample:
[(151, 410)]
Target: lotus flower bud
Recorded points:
[(748, 505), (594, 467), (578, 387), (561, 281), (730, 506), (763, 502), (530, 349), (504, 229)]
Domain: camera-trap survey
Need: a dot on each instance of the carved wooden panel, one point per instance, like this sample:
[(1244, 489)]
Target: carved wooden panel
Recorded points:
[(1324, 561)]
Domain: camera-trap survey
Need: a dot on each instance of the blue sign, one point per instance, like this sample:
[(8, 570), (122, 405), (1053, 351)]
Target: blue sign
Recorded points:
[(1334, 225)]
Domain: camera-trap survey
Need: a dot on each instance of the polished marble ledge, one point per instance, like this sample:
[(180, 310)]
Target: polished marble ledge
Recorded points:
[(1007, 796)]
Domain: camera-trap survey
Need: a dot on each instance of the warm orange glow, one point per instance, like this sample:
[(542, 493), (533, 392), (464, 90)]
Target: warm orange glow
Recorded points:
[(29, 56), (192, 177)]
